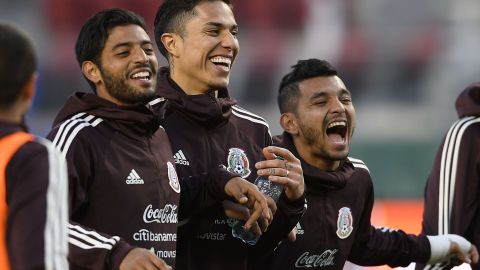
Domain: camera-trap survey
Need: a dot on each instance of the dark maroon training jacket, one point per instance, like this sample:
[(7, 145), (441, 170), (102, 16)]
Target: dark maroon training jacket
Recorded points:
[(336, 226), (36, 187), (210, 135), (123, 187), (452, 191)]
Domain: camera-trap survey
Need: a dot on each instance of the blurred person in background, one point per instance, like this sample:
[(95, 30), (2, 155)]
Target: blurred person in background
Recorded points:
[(33, 179), (318, 118), (452, 191), (210, 133)]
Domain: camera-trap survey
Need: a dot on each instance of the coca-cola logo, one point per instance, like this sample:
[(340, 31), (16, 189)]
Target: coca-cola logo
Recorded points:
[(307, 260), (166, 215)]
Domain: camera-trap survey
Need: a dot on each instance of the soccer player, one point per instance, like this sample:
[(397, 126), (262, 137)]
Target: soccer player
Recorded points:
[(452, 191), (211, 134), (33, 176), (318, 118), (123, 187)]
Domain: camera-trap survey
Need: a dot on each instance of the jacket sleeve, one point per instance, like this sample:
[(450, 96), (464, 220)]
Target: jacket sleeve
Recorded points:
[(287, 216), (37, 208), (202, 191), (451, 203), (393, 247), (374, 246), (88, 248)]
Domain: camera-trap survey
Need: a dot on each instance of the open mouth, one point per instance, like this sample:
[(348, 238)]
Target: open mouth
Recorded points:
[(221, 62), (337, 131), (141, 75)]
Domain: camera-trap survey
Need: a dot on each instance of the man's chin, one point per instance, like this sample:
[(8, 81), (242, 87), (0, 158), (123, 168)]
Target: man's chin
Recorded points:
[(220, 84), (339, 155)]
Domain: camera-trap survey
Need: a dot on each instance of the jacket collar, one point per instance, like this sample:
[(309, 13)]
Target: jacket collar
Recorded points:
[(210, 109), (316, 179), (133, 121)]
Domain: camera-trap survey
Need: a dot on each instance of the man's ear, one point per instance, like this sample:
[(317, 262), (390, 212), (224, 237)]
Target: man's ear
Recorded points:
[(289, 123), (28, 90), (91, 71), (171, 42)]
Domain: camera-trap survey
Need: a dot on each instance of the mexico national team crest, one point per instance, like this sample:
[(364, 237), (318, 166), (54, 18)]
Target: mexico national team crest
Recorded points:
[(344, 222), (172, 177), (238, 162)]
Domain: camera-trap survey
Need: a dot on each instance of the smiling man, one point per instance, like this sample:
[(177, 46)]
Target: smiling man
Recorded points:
[(211, 135), (123, 188), (318, 117)]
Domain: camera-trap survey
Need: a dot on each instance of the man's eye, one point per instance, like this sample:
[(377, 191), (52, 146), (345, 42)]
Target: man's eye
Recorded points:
[(346, 99), (213, 32)]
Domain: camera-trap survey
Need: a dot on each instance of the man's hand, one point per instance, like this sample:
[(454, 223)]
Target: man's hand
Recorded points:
[(238, 211), (287, 172), (248, 195), (140, 258), (451, 247), (459, 257)]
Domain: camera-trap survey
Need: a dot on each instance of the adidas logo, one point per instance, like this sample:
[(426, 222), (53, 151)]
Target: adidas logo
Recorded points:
[(180, 158), (134, 179)]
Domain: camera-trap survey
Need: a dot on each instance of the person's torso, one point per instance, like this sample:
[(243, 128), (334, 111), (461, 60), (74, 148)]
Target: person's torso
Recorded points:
[(206, 242), (132, 190), (328, 229)]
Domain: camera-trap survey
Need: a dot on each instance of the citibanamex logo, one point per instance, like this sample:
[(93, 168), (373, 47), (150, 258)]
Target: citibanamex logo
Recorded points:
[(307, 260), (166, 215)]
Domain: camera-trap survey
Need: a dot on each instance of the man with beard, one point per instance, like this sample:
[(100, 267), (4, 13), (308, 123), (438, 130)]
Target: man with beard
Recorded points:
[(123, 187), (33, 175), (318, 118), (211, 134)]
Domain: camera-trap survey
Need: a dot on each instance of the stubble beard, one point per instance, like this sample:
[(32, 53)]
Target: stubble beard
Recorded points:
[(311, 136), (120, 90)]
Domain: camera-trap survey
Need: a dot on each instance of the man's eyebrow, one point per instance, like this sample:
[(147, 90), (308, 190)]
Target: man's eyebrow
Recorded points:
[(345, 91), (318, 94), (220, 25), (128, 44)]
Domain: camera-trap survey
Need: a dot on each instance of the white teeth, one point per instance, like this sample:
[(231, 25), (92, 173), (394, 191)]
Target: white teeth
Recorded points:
[(142, 74), (221, 60), (334, 124)]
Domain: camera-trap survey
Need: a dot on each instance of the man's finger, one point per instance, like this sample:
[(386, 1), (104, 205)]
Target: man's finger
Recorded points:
[(457, 252), (292, 235), (159, 263), (235, 210), (474, 254), (271, 205), (255, 213)]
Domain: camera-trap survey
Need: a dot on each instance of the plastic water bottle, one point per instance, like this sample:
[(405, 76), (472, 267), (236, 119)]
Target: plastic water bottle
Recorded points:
[(267, 187)]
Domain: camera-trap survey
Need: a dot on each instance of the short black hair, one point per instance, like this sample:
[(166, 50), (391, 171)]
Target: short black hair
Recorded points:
[(172, 16), (94, 33), (288, 92), (18, 61)]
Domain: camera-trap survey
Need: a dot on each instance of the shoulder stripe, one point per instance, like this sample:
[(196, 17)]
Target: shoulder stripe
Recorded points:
[(248, 113), (357, 163), (84, 239), (448, 170), (55, 234), (70, 128), (253, 120), (250, 118)]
